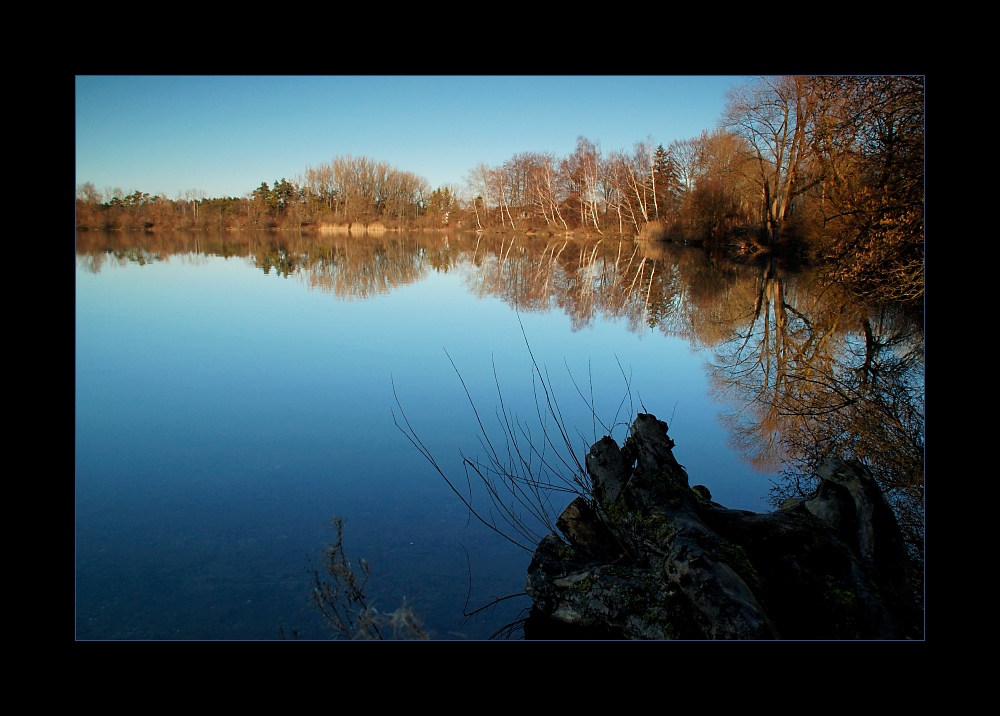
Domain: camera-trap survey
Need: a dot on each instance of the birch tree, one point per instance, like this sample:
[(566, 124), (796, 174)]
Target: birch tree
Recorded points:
[(479, 183), (580, 173), (543, 188)]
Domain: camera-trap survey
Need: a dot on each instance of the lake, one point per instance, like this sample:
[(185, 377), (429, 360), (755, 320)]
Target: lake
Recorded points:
[(234, 392)]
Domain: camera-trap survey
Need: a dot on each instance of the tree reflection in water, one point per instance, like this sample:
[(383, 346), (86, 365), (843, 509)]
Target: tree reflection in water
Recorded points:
[(811, 373), (807, 370)]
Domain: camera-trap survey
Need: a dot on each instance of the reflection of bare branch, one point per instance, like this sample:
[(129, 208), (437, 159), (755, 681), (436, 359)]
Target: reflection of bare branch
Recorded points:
[(803, 387)]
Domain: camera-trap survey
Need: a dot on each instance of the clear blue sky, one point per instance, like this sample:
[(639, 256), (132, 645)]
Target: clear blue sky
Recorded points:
[(225, 135)]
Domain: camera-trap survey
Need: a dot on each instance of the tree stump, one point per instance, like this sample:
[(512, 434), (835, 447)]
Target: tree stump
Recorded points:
[(646, 556)]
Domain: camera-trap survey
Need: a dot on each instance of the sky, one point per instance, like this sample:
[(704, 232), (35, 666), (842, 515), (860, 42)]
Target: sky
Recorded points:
[(225, 135)]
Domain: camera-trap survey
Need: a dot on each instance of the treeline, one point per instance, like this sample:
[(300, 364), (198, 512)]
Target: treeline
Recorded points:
[(349, 191), (832, 167)]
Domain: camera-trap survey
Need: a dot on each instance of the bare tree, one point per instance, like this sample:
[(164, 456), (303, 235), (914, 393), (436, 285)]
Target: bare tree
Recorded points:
[(88, 193), (479, 183), (580, 174), (543, 185), (618, 173), (772, 114)]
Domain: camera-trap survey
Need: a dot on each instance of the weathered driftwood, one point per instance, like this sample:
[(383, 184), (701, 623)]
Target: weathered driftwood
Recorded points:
[(649, 557)]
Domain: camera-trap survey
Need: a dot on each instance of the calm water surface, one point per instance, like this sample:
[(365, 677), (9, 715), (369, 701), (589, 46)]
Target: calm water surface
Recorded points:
[(233, 393)]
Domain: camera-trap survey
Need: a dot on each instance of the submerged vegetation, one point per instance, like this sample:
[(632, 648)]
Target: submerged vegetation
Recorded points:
[(340, 593)]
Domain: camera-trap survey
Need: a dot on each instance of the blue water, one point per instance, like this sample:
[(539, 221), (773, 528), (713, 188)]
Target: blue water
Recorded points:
[(223, 415)]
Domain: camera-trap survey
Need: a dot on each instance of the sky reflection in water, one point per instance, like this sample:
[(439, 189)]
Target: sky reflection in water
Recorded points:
[(224, 415)]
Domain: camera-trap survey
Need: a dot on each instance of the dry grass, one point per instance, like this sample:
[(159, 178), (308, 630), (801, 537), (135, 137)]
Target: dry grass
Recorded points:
[(653, 231), (334, 229)]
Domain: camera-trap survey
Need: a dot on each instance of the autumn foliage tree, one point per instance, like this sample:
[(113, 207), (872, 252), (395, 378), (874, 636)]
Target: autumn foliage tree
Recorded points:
[(869, 142), (839, 163)]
